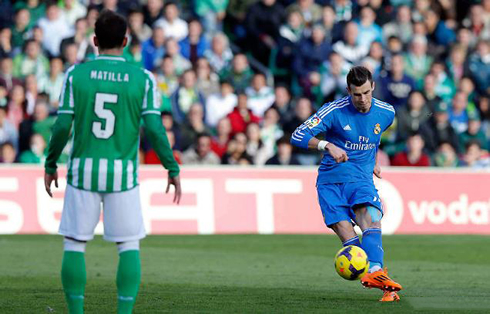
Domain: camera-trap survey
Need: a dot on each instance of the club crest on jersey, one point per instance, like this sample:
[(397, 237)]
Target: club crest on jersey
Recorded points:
[(313, 122), (377, 128)]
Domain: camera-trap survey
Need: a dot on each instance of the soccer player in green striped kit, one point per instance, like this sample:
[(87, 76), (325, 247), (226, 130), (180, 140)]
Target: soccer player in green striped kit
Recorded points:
[(105, 100)]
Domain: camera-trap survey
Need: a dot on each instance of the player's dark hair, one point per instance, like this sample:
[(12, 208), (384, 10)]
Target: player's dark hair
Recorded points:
[(110, 29), (359, 75)]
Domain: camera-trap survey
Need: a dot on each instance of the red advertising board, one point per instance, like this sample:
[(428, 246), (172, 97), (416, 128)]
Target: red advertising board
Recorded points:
[(262, 200)]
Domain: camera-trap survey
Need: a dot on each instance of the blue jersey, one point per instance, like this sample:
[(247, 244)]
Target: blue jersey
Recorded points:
[(357, 133)]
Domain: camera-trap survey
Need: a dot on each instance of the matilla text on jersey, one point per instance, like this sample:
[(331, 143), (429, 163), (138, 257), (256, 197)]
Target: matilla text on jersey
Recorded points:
[(109, 76)]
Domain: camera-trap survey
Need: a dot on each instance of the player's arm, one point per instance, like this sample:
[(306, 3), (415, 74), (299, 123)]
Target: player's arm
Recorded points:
[(60, 132), (304, 137), (377, 167), (155, 132), (59, 138)]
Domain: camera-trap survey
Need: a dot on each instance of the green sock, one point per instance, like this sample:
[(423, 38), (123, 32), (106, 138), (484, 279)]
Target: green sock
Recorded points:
[(128, 280), (73, 278)]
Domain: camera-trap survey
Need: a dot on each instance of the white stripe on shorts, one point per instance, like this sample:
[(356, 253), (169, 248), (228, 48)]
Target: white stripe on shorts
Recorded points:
[(117, 175), (102, 175), (87, 174)]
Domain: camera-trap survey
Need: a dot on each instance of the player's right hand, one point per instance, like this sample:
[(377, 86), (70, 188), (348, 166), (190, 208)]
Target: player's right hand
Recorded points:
[(48, 179), (337, 153), (175, 181)]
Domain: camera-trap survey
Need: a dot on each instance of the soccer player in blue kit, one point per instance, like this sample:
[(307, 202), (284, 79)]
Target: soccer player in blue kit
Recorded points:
[(352, 127)]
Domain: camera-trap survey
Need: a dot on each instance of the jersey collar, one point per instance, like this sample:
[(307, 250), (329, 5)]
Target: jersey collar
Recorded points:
[(110, 57)]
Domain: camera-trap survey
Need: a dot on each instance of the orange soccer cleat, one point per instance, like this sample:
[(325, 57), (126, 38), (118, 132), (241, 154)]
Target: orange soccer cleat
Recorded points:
[(390, 296), (379, 279)]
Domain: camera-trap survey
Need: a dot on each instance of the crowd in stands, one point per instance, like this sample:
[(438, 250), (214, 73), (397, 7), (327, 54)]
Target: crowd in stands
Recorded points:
[(236, 77)]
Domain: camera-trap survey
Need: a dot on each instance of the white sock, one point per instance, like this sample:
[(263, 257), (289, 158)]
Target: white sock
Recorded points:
[(374, 269)]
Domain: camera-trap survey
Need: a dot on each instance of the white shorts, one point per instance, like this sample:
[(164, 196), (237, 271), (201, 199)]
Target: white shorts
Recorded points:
[(123, 220)]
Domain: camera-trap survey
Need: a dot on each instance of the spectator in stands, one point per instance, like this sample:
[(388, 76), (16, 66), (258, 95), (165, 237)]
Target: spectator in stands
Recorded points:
[(237, 151), (429, 92), (185, 96), (311, 52), (302, 111), (7, 79), (40, 122), (195, 44), (413, 116), (478, 23), (241, 116), (80, 39), (310, 11), (32, 95), (153, 10), (70, 56), (151, 158), (170, 126), (290, 33), (458, 115), (401, 27), (153, 49), (446, 156), (219, 143), (283, 104), (349, 48), (414, 156), (395, 86), (17, 106), (200, 153), (474, 157), (212, 14), (31, 61), (440, 129), (456, 63), (193, 126), (255, 147), (369, 31), (474, 132), (219, 105), (220, 55), (333, 30), (270, 132), (344, 10), (137, 26), (72, 10), (483, 105), (374, 59), (55, 27), (239, 74), (479, 67), (167, 81), (172, 49), (171, 23), (6, 48), (417, 61), (207, 80), (263, 21), (53, 83), (437, 30), (35, 153), (260, 96), (8, 131), (20, 29), (333, 77), (8, 154), (284, 155)]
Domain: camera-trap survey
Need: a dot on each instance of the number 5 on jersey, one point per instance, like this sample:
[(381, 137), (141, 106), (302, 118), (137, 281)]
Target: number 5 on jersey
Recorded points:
[(106, 114)]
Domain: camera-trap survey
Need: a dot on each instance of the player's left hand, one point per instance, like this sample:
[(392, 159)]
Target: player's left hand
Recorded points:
[(48, 179), (377, 171)]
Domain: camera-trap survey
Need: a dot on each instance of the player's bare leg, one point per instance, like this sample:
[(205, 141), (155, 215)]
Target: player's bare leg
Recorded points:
[(369, 220), (345, 231)]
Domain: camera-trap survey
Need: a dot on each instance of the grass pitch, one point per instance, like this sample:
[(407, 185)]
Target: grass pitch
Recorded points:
[(251, 274)]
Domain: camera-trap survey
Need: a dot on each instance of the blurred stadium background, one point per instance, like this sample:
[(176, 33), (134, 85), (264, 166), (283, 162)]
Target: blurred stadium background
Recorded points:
[(236, 77)]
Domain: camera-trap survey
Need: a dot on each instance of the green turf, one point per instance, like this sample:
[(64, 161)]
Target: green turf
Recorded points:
[(251, 274)]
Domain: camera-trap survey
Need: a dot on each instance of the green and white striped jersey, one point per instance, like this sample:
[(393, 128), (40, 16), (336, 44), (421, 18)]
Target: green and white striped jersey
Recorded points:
[(107, 97)]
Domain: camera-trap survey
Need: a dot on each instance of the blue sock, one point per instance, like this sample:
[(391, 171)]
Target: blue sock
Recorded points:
[(353, 241), (372, 245)]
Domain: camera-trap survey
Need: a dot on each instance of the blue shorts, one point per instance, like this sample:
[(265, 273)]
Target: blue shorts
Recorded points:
[(337, 200)]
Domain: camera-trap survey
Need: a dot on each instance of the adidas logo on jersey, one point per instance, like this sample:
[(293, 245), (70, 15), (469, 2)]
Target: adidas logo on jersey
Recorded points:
[(347, 128)]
